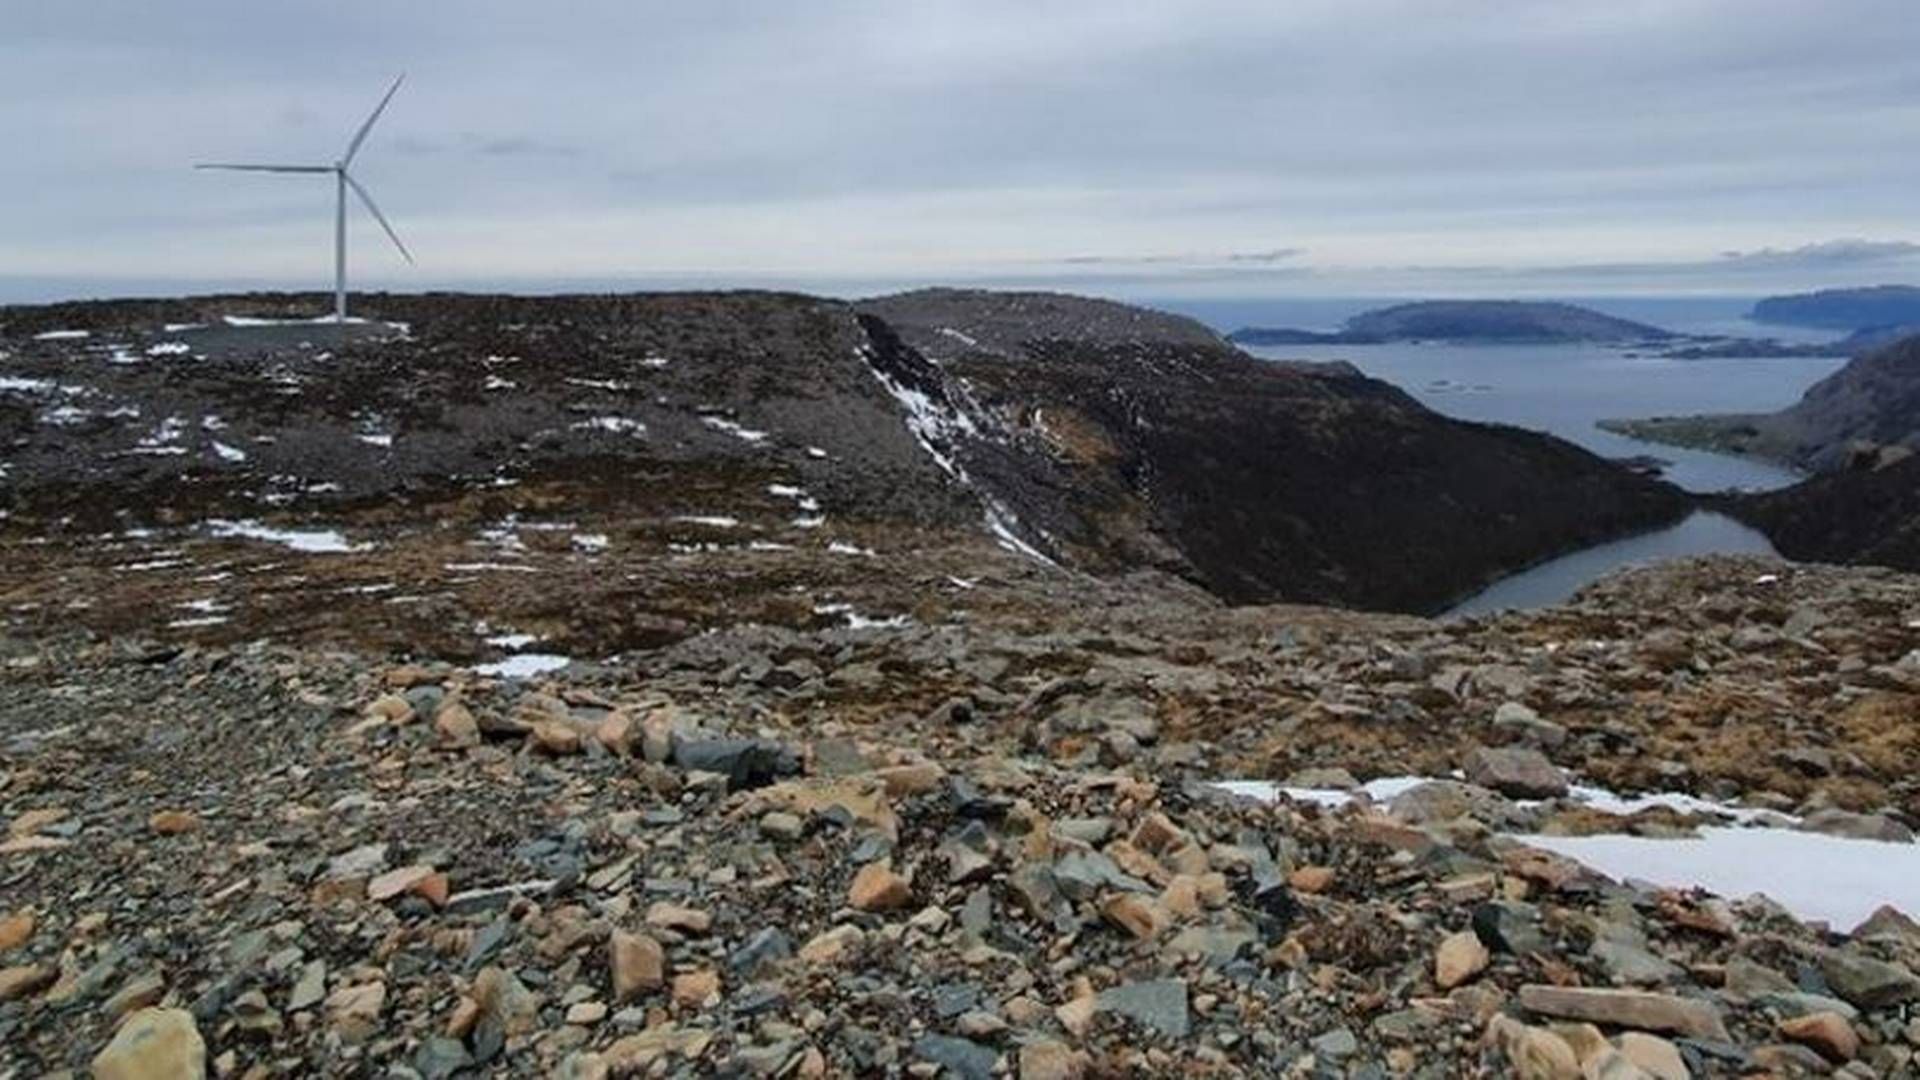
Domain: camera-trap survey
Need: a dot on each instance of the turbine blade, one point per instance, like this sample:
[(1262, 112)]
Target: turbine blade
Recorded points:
[(268, 168), (361, 135), (377, 215)]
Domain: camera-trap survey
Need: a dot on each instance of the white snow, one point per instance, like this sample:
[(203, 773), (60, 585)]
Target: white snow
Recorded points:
[(181, 327), (204, 620), (722, 424), (712, 520), (841, 547), (495, 382), (654, 362), (1381, 790), (169, 348), (964, 339), (857, 621), (207, 605), (1815, 876), (313, 541), (515, 642), (322, 320), (24, 386), (376, 440), (61, 335), (617, 425), (592, 543), (614, 385), (1386, 788), (809, 521), (229, 453), (472, 567), (523, 666), (816, 452), (934, 428), (786, 491)]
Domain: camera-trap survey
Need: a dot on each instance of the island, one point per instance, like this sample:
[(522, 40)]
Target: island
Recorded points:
[(1877, 307), (1517, 322)]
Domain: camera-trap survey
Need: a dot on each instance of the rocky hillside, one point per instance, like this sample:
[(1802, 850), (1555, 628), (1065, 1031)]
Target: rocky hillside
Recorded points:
[(1866, 514), (1262, 481), (1082, 434), (979, 842)]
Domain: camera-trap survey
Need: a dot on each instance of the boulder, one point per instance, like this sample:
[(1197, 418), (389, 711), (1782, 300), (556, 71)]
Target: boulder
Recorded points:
[(1516, 772), (154, 1044), (1634, 1009)]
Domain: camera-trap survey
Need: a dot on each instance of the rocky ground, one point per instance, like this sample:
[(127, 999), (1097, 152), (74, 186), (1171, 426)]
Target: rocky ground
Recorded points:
[(978, 840), (758, 685)]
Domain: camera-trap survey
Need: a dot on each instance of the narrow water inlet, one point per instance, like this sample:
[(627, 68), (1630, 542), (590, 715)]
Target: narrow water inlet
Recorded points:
[(1703, 532)]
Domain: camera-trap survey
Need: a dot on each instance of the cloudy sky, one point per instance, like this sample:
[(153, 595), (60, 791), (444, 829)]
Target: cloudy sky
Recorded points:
[(1202, 148)]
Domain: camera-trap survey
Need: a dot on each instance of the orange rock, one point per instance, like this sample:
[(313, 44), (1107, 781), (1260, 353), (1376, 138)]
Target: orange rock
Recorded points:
[(173, 822), (877, 888), (1311, 879), (696, 988), (18, 982), (616, 732), (1157, 833), (455, 725), (434, 889), (396, 882), (904, 780), (675, 917), (16, 930), (638, 964), (1460, 957), (556, 737), (1827, 1032), (1134, 914), (466, 1013)]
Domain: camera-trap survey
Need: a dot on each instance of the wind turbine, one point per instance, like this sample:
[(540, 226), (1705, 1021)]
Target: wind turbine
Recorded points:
[(342, 180)]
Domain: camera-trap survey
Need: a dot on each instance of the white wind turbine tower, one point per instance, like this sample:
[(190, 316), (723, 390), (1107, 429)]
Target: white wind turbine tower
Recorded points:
[(342, 180)]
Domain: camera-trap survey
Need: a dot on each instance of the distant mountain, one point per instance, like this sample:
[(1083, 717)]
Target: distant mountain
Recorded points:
[(1492, 321), (1878, 306)]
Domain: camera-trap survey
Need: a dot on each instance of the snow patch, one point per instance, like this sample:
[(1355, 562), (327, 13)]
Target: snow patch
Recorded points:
[(728, 427), (312, 541), (376, 440), (228, 453), (62, 335), (169, 348), (616, 425), (591, 543), (1818, 877), (24, 386), (523, 666), (712, 520)]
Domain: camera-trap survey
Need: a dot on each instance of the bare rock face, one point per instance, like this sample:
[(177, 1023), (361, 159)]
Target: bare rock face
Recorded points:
[(1517, 772)]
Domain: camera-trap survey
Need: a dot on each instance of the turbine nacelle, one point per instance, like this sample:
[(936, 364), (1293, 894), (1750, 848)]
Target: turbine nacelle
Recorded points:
[(342, 181)]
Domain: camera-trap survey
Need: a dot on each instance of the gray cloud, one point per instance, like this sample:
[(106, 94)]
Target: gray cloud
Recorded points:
[(1439, 145)]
